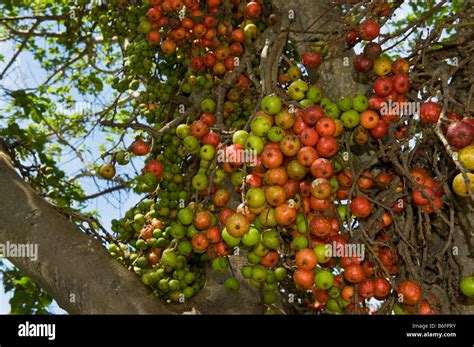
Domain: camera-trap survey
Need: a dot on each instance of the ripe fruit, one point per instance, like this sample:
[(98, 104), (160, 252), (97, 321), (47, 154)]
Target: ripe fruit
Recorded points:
[(155, 167), (352, 38), (272, 157), (312, 114), (271, 104), (366, 288), (276, 176), (197, 64), (221, 198), (361, 207), (304, 278), (327, 146), (306, 259), (284, 119), (466, 157), (212, 138), (253, 9), (369, 119), (326, 127), (290, 145), (459, 185), (376, 103), (199, 129), (168, 46), (353, 273), (401, 83), (362, 63), (200, 242), (460, 134), (430, 112), (320, 226), (306, 156), (237, 225), (209, 60), (347, 293), (372, 50), (275, 195), (368, 30), (285, 214), (107, 171), (425, 308), (311, 60), (309, 137), (140, 147), (467, 286), (321, 188), (419, 198), (382, 288), (409, 292), (153, 37), (382, 66), (379, 130), (366, 180), (400, 66), (383, 86), (202, 220), (271, 259), (322, 167)]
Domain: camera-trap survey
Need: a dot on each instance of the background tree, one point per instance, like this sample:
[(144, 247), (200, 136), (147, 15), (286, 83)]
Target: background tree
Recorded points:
[(103, 54)]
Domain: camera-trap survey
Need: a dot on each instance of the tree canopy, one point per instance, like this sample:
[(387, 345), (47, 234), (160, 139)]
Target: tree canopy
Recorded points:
[(240, 145)]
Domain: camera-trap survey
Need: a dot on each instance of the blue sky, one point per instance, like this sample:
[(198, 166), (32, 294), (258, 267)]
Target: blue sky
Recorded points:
[(26, 73)]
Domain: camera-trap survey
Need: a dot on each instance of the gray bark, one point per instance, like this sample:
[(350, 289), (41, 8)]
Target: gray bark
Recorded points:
[(73, 268)]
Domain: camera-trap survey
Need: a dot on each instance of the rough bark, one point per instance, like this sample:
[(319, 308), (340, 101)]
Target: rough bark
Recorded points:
[(72, 267), (320, 20)]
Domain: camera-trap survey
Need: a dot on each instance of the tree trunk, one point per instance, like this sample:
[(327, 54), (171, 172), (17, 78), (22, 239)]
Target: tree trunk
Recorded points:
[(75, 269)]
